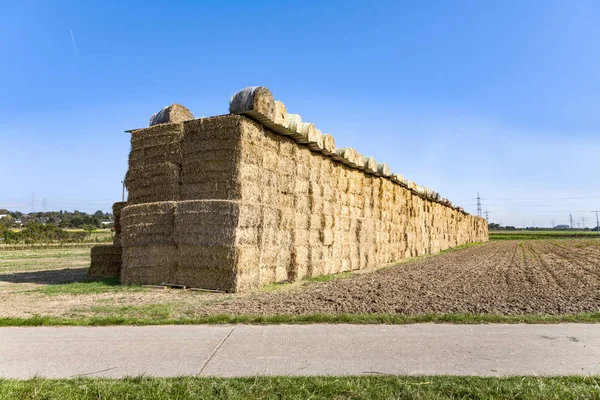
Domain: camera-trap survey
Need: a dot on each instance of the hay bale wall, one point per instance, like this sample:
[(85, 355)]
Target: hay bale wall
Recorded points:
[(304, 214), (249, 206)]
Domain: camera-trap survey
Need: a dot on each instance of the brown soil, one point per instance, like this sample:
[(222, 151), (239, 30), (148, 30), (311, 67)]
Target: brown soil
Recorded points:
[(533, 277)]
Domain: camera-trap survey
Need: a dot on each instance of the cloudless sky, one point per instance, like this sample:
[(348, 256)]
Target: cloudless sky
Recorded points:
[(500, 97)]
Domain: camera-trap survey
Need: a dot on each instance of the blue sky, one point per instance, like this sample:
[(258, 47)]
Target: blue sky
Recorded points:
[(499, 97)]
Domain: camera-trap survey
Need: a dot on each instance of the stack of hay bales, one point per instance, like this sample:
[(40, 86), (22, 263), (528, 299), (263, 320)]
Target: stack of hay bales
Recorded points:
[(209, 150), (106, 259), (154, 164), (148, 237), (260, 197)]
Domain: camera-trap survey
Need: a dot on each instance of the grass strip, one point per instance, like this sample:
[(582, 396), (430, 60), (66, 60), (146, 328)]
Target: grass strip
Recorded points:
[(351, 387), (358, 319)]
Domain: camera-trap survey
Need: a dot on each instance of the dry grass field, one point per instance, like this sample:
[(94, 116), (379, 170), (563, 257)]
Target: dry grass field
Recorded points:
[(539, 277)]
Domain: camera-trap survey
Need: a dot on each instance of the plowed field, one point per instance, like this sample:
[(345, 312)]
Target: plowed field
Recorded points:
[(530, 277)]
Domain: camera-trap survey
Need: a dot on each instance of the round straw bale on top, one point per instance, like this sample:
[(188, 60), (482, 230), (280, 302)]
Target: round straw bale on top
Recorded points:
[(253, 98), (398, 178), (281, 115), (294, 122), (328, 143), (370, 164), (309, 132), (383, 169), (171, 114)]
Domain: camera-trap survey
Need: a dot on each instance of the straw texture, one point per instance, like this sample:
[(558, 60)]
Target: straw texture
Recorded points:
[(106, 262), (171, 114)]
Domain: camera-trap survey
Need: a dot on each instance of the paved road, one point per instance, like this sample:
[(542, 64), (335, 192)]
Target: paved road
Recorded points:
[(242, 350)]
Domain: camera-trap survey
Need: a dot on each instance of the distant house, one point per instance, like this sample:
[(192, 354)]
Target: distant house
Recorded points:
[(3, 216), (561, 227)]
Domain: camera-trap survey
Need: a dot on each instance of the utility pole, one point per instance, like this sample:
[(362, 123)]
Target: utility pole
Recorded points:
[(571, 221), (44, 206), (552, 226), (583, 222), (478, 205), (487, 215), (597, 221)]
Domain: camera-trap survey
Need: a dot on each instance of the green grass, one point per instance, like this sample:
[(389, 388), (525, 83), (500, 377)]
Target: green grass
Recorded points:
[(43, 259), (327, 278), (536, 235), (160, 314), (352, 387), (110, 285)]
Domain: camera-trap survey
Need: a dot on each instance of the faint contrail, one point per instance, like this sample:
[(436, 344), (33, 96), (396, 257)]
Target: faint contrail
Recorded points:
[(73, 40)]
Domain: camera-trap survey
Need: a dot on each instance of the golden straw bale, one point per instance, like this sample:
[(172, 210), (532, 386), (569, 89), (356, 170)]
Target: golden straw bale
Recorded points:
[(158, 182), (280, 114), (383, 170), (350, 157), (171, 114), (258, 99), (106, 262), (328, 147)]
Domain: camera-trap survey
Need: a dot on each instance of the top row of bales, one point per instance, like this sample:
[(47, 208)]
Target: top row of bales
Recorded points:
[(258, 103)]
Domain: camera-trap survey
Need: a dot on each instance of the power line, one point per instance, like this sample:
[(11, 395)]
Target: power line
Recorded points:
[(545, 198), (597, 221)]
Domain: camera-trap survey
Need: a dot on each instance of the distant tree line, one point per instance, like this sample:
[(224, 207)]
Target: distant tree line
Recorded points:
[(497, 227), (36, 233), (61, 219)]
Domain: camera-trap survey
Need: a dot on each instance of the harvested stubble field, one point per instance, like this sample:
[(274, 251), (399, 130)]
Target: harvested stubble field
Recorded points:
[(540, 277)]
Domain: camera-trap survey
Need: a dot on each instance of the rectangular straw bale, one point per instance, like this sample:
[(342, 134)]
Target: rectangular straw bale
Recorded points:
[(149, 265), (156, 144), (145, 224), (106, 262), (206, 257), (206, 222), (198, 184), (158, 182)]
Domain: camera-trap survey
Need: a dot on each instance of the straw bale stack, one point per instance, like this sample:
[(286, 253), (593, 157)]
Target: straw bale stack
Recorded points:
[(149, 246), (205, 235), (171, 114), (106, 262), (210, 152), (235, 202)]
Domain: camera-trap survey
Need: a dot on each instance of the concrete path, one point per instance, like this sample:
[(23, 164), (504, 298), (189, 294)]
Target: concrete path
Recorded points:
[(243, 350)]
